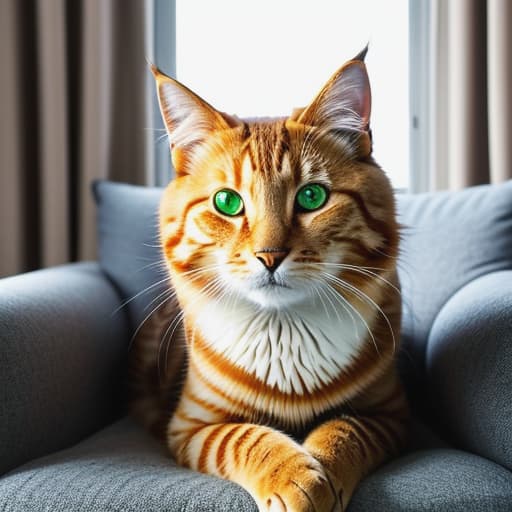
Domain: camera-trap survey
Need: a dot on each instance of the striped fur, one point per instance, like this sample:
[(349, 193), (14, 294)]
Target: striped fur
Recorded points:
[(289, 386)]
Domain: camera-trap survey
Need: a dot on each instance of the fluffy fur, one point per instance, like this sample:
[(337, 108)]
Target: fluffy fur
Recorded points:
[(289, 386)]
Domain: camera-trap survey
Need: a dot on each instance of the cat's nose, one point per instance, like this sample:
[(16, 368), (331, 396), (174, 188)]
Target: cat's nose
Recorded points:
[(272, 257)]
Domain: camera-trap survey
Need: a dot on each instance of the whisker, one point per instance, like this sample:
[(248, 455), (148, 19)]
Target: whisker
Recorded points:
[(158, 306), (145, 290), (168, 291), (196, 273), (365, 271), (175, 322), (204, 268), (342, 265), (211, 288), (364, 298), (319, 286), (342, 301), (348, 306), (157, 263), (317, 290), (369, 273), (161, 138), (170, 296)]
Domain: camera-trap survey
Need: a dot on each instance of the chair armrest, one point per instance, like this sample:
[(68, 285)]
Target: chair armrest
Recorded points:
[(61, 352), (469, 367)]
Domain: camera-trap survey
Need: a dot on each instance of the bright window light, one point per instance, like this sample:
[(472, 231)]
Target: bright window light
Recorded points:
[(267, 57)]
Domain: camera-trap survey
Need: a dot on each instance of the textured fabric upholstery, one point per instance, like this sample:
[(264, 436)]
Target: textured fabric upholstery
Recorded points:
[(439, 480), (454, 268), (469, 366), (122, 469), (60, 354), (449, 239)]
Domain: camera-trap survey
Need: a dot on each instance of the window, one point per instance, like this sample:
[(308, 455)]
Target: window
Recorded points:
[(265, 57)]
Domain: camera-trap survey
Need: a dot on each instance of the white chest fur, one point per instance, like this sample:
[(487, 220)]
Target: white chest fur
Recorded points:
[(296, 350)]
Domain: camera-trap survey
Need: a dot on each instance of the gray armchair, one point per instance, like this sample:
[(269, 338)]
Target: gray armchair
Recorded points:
[(67, 445)]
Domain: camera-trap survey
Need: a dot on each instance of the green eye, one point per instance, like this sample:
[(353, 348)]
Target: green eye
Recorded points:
[(228, 202), (311, 197)]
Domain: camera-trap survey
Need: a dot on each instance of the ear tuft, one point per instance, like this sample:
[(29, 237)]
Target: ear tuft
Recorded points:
[(153, 68), (345, 101), (189, 120), (362, 54)]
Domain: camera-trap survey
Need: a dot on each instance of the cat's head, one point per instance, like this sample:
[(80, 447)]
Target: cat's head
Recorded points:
[(274, 212)]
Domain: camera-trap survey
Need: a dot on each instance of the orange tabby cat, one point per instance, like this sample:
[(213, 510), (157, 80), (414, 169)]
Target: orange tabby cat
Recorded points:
[(281, 241)]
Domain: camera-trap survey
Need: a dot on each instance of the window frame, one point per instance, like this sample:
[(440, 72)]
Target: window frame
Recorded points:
[(161, 51), (421, 47)]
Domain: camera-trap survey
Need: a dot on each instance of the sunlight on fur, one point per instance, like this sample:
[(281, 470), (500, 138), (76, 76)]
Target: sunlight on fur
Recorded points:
[(271, 360)]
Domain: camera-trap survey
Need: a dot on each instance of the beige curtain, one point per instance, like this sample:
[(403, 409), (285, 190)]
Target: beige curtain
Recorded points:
[(72, 93), (471, 93)]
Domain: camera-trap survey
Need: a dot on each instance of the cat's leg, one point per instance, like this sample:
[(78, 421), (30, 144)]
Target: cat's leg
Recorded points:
[(353, 445), (279, 473)]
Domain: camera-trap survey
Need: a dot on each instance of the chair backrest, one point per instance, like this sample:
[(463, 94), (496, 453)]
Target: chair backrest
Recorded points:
[(449, 239)]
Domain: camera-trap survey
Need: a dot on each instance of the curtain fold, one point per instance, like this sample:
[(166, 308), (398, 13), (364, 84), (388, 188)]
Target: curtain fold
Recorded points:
[(12, 217), (52, 131), (94, 129), (471, 80), (73, 93), (499, 56)]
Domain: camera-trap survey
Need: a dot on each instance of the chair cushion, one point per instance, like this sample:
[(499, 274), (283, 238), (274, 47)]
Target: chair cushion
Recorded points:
[(121, 468), (440, 480)]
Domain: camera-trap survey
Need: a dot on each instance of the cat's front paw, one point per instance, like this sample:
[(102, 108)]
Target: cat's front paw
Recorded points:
[(298, 486)]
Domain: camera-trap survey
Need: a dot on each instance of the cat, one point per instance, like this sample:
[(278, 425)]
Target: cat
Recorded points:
[(281, 242)]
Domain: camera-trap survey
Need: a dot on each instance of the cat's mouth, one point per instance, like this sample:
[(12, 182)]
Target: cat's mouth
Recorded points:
[(270, 281), (274, 291)]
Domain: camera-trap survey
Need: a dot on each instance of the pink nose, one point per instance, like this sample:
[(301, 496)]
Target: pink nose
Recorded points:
[(272, 258)]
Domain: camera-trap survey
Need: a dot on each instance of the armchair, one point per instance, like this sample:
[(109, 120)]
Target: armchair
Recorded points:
[(66, 443)]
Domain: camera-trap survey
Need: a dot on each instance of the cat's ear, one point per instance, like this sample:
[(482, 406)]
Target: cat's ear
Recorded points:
[(189, 120), (344, 103)]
